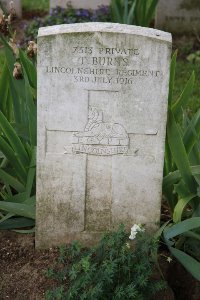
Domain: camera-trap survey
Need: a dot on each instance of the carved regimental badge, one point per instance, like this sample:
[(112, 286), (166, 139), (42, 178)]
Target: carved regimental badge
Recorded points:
[(99, 137)]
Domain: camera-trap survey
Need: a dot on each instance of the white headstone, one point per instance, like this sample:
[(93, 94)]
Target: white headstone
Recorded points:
[(87, 4), (17, 5), (102, 109), (178, 16)]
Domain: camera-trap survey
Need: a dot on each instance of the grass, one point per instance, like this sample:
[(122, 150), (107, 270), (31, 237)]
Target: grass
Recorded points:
[(29, 5)]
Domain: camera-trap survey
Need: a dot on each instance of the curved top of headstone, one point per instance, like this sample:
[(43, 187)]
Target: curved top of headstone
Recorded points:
[(105, 27)]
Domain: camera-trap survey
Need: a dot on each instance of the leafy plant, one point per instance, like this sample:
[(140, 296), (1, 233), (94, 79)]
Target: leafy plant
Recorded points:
[(179, 236), (111, 270), (67, 15), (181, 183), (137, 12), (17, 142), (182, 157)]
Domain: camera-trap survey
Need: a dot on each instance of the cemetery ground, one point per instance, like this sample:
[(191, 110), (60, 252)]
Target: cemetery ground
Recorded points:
[(23, 269)]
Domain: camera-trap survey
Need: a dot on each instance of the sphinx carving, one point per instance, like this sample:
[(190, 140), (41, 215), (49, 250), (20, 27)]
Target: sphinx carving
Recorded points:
[(98, 132)]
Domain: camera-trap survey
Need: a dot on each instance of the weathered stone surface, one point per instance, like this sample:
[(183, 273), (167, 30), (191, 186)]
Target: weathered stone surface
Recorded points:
[(102, 107), (178, 16), (88, 4), (17, 6)]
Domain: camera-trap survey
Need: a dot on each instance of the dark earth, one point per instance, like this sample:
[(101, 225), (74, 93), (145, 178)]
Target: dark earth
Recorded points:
[(22, 271)]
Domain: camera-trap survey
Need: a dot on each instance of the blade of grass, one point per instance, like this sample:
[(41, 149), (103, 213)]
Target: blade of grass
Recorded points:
[(190, 264)]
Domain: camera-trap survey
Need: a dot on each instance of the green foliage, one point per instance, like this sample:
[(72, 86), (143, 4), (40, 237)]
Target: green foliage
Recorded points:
[(184, 70), (111, 270), (67, 15), (17, 142), (186, 230), (181, 183), (137, 12)]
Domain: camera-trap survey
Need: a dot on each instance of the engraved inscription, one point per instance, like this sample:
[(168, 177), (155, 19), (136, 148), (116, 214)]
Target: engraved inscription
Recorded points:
[(99, 137), (108, 66)]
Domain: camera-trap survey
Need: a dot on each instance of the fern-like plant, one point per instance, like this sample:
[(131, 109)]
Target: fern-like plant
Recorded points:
[(111, 270)]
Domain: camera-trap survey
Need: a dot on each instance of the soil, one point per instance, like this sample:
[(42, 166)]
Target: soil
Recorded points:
[(22, 272)]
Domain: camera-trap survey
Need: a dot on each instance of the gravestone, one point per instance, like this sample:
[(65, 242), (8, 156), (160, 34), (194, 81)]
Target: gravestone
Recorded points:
[(87, 4), (102, 109), (178, 16), (17, 5)]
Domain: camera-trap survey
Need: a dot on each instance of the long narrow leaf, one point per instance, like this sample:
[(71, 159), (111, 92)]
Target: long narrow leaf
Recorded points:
[(14, 140), (6, 217), (17, 223), (182, 227), (190, 264), (4, 85), (192, 133), (180, 207), (179, 153), (175, 176), (151, 12), (116, 13), (18, 198), (29, 68), (130, 19), (31, 173), (27, 231), (31, 112), (172, 77), (184, 98), (12, 158), (15, 86), (13, 182), (23, 210), (125, 17)]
